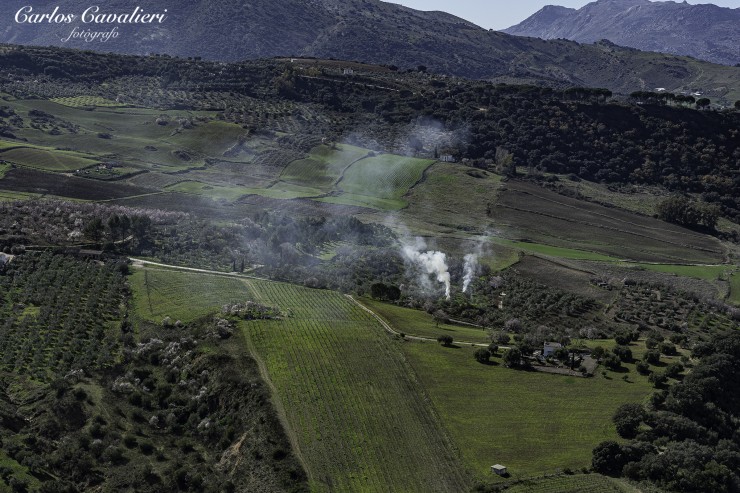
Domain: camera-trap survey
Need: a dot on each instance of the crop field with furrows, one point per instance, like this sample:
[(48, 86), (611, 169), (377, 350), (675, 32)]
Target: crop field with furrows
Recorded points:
[(87, 102), (361, 420), (380, 181), (534, 423), (323, 167), (419, 323), (182, 295), (452, 198), (51, 160), (354, 405), (27, 180), (525, 210)]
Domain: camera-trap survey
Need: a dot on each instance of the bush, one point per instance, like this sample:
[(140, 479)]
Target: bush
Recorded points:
[(445, 340)]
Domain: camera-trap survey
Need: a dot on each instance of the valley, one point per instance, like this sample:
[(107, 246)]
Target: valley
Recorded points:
[(290, 277)]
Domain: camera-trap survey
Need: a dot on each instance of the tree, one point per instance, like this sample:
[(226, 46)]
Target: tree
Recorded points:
[(642, 368), (668, 349), (657, 379), (513, 357), (623, 338), (440, 317), (607, 458), (623, 352), (94, 229), (652, 357), (703, 103), (612, 361), (482, 355), (445, 340), (598, 352), (627, 419)]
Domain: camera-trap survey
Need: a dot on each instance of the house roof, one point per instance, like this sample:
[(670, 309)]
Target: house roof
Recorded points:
[(498, 466), (553, 344)]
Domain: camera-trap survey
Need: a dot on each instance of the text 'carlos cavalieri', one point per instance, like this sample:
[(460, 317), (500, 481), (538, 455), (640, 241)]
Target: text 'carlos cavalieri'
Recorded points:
[(93, 15)]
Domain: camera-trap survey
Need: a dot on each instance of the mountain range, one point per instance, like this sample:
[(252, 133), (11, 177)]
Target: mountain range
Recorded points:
[(703, 31), (376, 32)]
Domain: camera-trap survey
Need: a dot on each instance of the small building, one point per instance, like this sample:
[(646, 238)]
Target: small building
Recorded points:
[(550, 348), (348, 71), (498, 469), (447, 158)]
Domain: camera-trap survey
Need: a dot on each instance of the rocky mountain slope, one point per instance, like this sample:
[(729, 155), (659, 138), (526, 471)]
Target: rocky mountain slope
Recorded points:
[(703, 31)]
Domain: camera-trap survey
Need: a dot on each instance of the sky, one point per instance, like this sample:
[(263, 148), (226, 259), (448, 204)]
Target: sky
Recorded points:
[(498, 14)]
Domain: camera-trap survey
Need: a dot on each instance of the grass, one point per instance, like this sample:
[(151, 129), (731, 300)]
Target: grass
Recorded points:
[(706, 272), (534, 423), (580, 483), (420, 323), (381, 180), (525, 210), (735, 288), (323, 167), (351, 400), (4, 167), (350, 396), (554, 251), (6, 195), (52, 160), (182, 295)]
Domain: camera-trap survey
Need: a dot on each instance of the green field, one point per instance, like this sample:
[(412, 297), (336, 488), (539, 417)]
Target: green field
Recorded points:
[(3, 169), (532, 422), (706, 272), (182, 295), (735, 288), (351, 400), (48, 160), (323, 167), (380, 181), (420, 323), (580, 483), (561, 252)]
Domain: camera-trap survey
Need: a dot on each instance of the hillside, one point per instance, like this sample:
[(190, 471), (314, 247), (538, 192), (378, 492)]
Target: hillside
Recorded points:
[(376, 32), (234, 276), (703, 31)]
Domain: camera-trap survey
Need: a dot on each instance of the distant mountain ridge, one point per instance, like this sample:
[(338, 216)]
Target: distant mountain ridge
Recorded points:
[(375, 32), (703, 31)]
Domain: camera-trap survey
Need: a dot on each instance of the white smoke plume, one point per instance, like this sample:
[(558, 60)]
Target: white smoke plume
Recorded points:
[(469, 270), (431, 262)]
